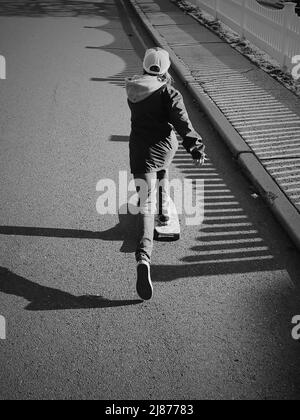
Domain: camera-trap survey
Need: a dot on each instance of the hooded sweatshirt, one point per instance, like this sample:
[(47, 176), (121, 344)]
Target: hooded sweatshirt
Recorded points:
[(140, 88), (157, 108)]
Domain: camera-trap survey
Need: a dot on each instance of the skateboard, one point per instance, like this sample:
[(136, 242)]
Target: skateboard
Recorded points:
[(171, 231)]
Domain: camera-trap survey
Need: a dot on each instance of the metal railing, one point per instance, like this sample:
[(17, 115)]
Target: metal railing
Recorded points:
[(277, 32)]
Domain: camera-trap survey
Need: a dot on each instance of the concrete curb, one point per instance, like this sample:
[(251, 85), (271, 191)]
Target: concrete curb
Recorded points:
[(284, 210), (280, 205)]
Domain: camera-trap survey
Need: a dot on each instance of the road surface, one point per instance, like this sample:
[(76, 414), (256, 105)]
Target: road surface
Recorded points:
[(219, 325)]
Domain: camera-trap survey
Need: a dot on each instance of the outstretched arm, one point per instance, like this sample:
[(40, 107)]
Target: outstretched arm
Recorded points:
[(178, 117)]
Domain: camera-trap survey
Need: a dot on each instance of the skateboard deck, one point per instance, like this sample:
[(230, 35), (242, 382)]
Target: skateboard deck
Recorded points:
[(171, 231)]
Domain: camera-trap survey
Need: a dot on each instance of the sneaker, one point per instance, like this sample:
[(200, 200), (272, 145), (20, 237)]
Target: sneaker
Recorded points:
[(144, 284)]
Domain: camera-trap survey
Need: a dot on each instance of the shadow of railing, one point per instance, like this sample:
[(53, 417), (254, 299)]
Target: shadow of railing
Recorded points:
[(228, 241), (119, 139), (133, 67), (132, 55)]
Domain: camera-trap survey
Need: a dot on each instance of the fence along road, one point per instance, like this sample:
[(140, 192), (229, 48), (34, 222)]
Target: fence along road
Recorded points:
[(276, 32), (264, 113)]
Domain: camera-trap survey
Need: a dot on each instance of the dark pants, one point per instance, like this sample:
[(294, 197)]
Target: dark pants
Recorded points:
[(146, 185)]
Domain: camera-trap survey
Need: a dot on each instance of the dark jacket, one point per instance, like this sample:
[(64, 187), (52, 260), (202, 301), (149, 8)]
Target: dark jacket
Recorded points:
[(157, 109)]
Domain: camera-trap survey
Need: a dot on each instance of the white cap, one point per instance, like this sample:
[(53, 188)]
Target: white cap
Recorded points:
[(157, 61)]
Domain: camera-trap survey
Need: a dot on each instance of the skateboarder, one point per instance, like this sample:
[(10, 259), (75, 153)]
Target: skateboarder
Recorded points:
[(157, 108)]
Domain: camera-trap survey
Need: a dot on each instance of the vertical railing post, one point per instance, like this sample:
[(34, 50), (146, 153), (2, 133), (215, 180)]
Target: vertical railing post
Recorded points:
[(217, 9), (243, 20), (289, 12)]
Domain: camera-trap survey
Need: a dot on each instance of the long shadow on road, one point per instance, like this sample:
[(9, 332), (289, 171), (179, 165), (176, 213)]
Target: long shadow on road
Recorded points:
[(123, 231), (43, 298)]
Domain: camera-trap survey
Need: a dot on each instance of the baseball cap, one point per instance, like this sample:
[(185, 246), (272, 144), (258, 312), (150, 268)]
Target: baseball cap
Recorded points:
[(157, 61)]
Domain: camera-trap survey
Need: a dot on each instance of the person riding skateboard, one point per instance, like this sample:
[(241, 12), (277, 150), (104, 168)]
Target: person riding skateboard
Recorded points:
[(157, 108)]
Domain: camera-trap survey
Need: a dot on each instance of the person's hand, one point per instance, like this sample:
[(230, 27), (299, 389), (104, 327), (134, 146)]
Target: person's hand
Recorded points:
[(199, 158), (199, 162)]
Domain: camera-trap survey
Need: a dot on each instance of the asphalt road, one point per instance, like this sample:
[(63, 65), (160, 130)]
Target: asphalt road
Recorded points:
[(219, 325)]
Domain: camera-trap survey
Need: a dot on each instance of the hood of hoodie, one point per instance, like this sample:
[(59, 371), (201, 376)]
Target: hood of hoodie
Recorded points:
[(140, 88)]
